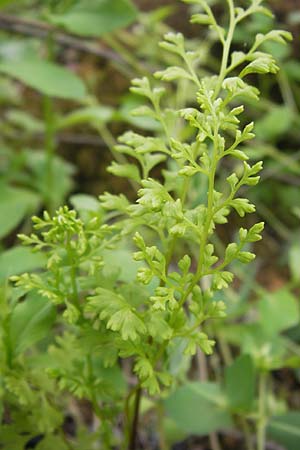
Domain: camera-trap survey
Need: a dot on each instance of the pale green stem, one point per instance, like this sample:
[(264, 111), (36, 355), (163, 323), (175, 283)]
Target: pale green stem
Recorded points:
[(96, 408), (50, 151), (73, 276), (209, 12), (192, 71), (212, 173), (227, 46), (209, 217), (209, 213), (262, 419), (161, 119), (203, 375), (227, 358), (247, 433), (50, 144)]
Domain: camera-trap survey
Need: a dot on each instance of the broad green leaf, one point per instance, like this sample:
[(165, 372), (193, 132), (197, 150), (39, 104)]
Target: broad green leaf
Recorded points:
[(172, 433), (6, 2), (46, 77), (275, 123), (97, 17), (112, 376), (280, 52), (278, 312), (104, 348), (122, 260), (285, 430), (240, 394), (85, 440), (292, 68), (126, 113), (198, 408), (86, 205), (30, 322), (85, 202), (14, 205), (179, 363), (11, 439), (25, 121), (19, 260), (51, 442), (62, 170), (92, 115)]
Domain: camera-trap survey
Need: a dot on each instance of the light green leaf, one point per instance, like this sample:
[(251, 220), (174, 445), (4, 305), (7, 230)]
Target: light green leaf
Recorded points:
[(202, 19), (242, 206), (198, 408), (262, 64), (114, 202), (19, 260), (173, 73), (245, 257), (97, 17), (279, 36), (125, 170), (117, 312), (30, 322), (236, 86), (174, 42), (157, 326), (285, 430), (231, 252), (46, 77), (278, 311), (127, 322), (240, 394)]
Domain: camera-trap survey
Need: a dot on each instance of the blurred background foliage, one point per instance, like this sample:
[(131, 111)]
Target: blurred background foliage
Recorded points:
[(65, 70)]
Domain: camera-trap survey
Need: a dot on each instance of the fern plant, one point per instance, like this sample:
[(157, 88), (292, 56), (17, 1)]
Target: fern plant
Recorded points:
[(113, 309)]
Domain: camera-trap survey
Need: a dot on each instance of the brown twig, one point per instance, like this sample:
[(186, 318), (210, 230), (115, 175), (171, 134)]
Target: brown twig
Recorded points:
[(42, 30), (135, 420), (80, 140)]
